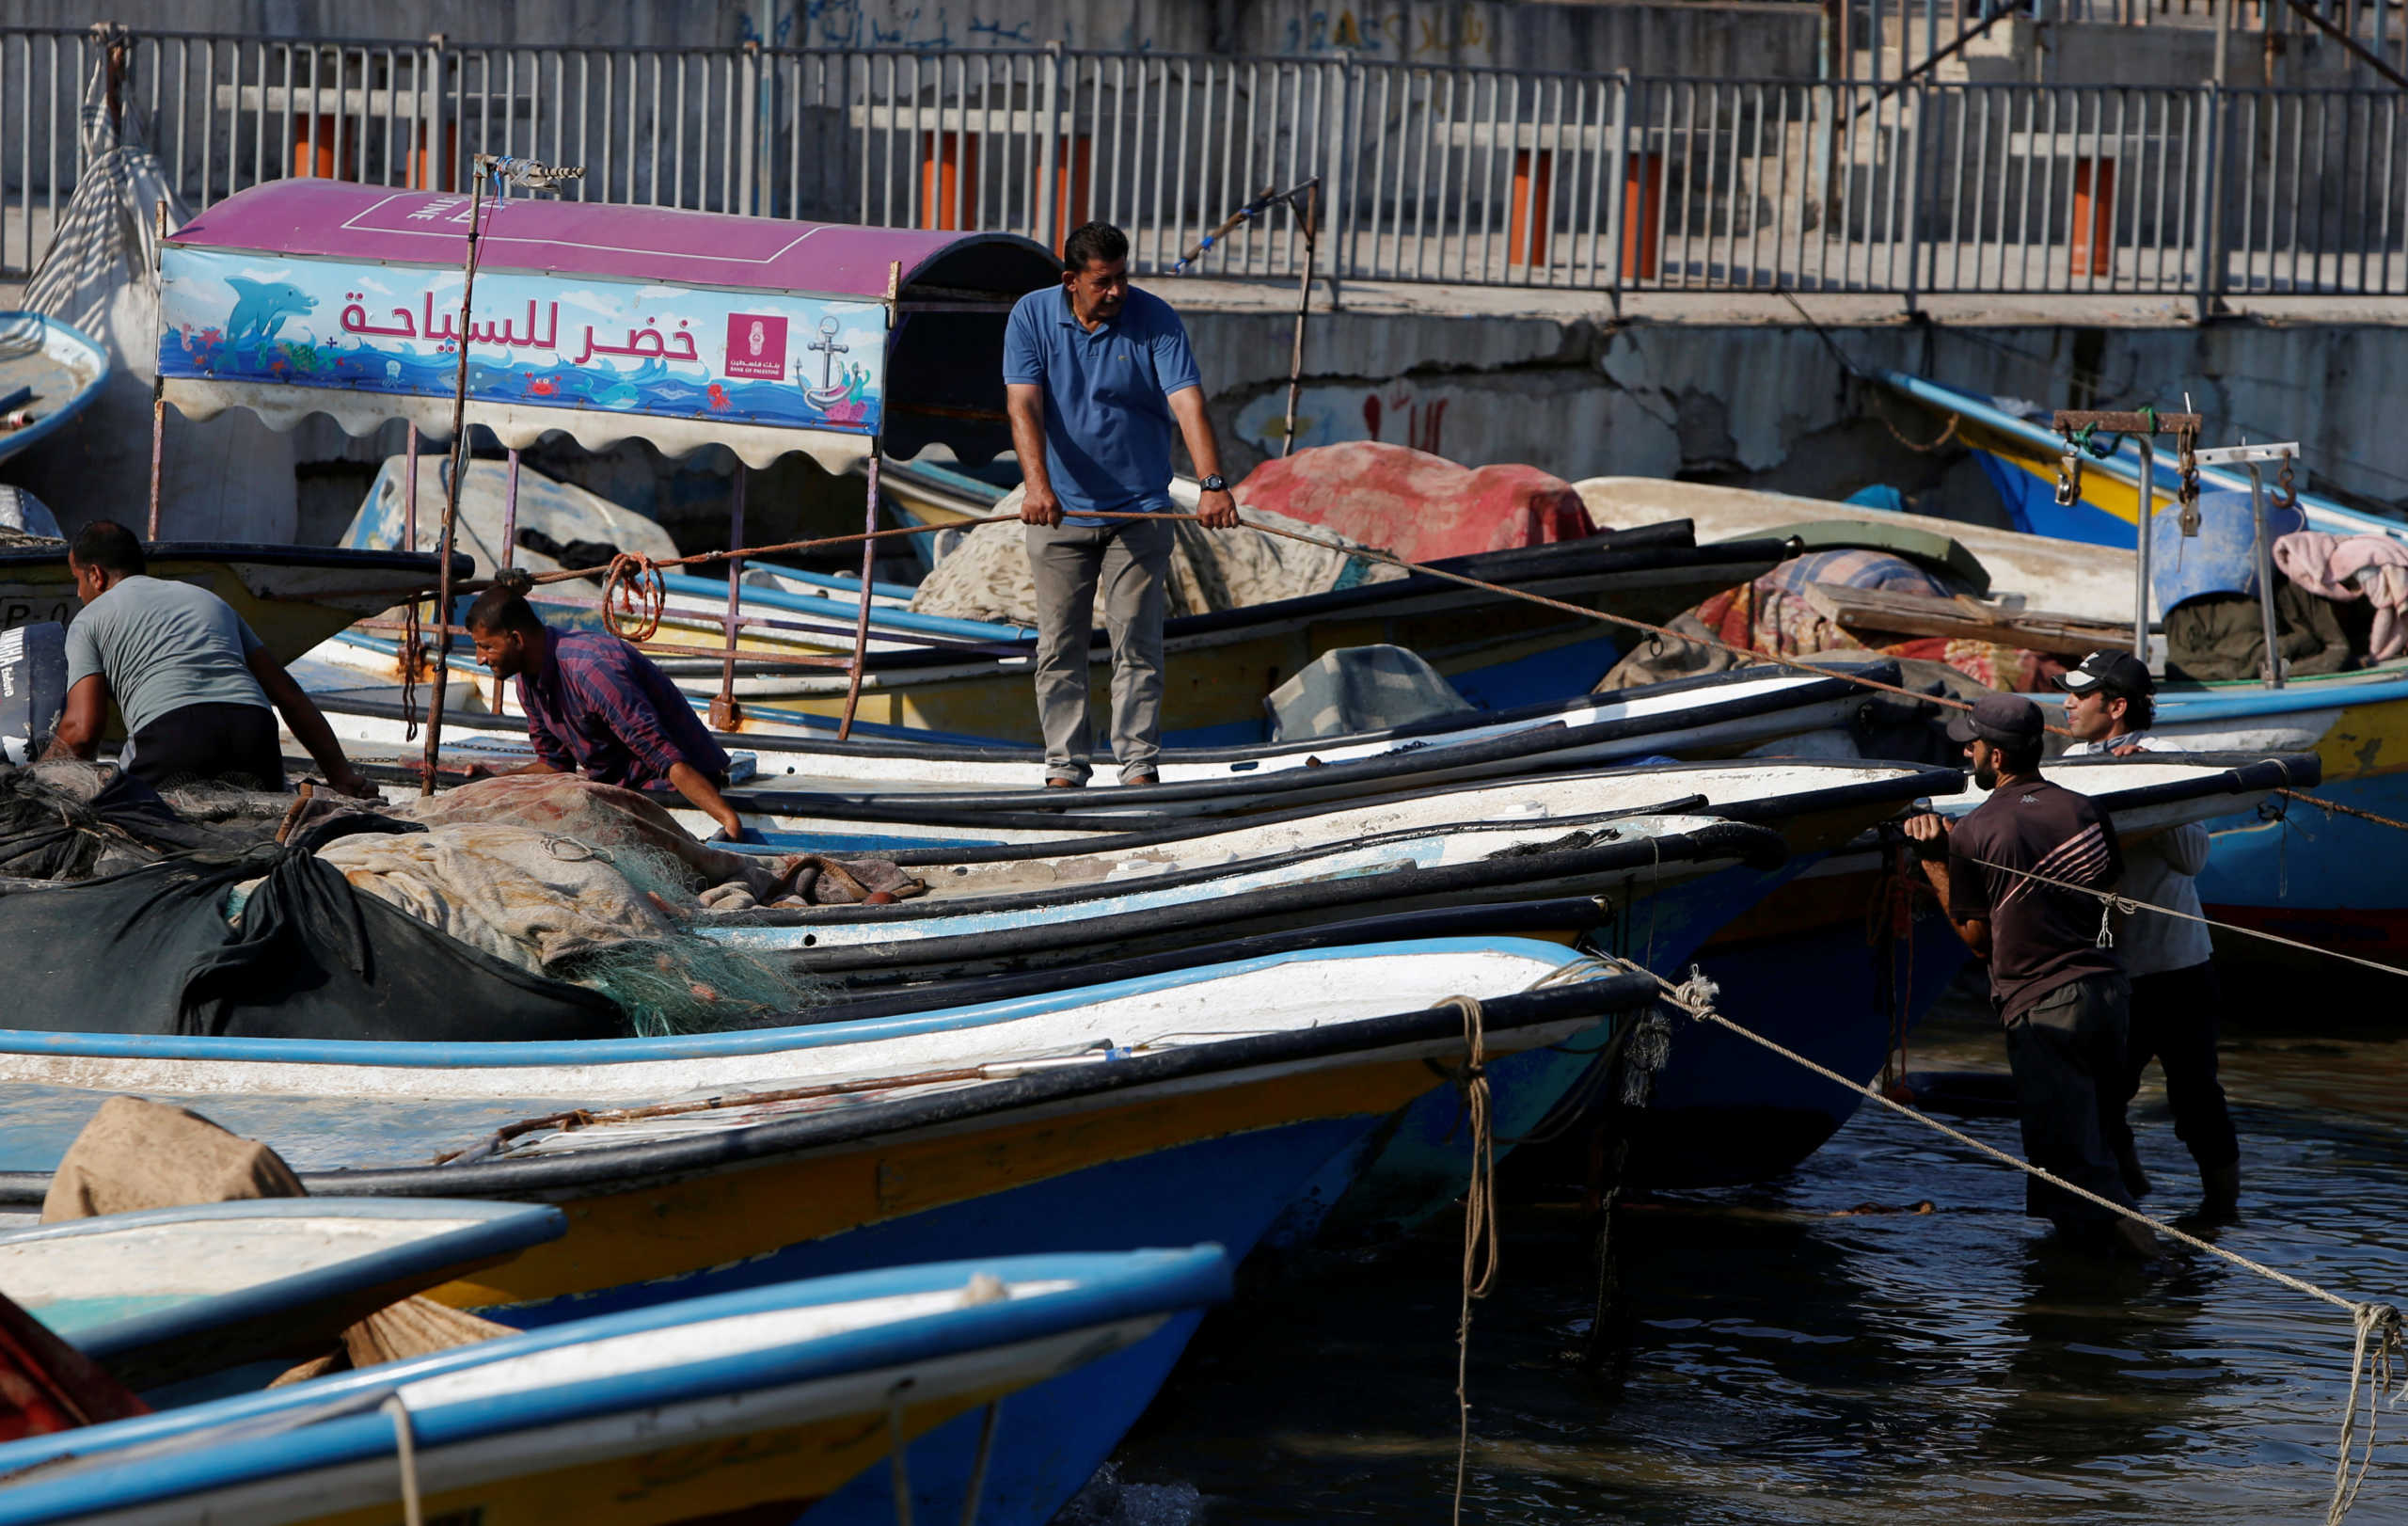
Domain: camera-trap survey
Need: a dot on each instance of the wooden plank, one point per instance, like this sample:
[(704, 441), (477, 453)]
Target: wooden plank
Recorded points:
[(1914, 614)]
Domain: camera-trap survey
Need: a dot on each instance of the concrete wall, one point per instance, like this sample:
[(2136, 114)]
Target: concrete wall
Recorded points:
[(1770, 405), (1582, 35)]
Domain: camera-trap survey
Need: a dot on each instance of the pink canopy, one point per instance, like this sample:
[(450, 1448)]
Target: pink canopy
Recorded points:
[(337, 220)]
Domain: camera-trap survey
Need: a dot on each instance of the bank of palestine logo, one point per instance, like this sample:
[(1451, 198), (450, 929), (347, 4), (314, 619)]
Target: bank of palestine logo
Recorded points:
[(756, 346)]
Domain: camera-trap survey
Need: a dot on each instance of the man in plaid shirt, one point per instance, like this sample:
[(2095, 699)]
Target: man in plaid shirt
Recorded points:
[(598, 706)]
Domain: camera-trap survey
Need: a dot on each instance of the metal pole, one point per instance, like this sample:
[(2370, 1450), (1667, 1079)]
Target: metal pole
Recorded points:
[(860, 620), (2263, 552), (725, 715), (158, 442), (1304, 305), (509, 513), (2140, 559), (452, 493)]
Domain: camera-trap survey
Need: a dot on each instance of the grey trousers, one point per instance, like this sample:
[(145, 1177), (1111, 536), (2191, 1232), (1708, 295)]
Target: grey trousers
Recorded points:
[(1128, 561), (2067, 1051)]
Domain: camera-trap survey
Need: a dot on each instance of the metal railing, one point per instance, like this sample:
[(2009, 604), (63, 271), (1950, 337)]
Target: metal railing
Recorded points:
[(1479, 176)]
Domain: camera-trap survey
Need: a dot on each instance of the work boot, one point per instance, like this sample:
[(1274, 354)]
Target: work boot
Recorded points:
[(2219, 1193), (2128, 1162)]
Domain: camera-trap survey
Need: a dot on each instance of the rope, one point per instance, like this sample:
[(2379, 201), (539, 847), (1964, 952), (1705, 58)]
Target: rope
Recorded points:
[(1900, 435), (2125, 904), (634, 595), (2339, 809), (1479, 1223), (2379, 1323), (977, 1487), (406, 1447)]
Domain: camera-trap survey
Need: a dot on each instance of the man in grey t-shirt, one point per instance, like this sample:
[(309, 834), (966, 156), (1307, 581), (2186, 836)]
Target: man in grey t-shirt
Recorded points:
[(191, 678)]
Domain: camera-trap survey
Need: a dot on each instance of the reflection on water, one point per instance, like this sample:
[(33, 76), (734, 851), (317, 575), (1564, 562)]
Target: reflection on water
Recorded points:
[(1778, 1362)]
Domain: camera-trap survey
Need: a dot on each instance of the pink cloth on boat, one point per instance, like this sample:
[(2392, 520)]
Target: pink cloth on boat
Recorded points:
[(2345, 567)]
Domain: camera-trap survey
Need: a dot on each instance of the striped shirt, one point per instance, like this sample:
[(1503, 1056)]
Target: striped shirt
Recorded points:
[(2041, 936), (599, 707)]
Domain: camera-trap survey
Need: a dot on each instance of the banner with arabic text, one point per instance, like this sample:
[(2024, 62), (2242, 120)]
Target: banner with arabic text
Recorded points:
[(558, 341)]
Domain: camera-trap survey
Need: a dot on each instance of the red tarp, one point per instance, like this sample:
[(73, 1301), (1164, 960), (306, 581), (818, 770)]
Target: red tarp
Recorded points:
[(1423, 507)]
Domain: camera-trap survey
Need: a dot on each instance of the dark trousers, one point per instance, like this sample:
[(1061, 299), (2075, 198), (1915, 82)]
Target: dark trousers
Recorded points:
[(2174, 1021), (2067, 1051), (232, 744)]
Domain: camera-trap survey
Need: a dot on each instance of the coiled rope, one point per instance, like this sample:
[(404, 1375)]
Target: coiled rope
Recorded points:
[(634, 596)]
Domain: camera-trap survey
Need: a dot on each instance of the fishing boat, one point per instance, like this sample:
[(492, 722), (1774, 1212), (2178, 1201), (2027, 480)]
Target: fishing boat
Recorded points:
[(1163, 1112), (2300, 870), (48, 372), (294, 597), (171, 1294), (764, 1403), (818, 788), (971, 678), (1845, 960), (2020, 454)]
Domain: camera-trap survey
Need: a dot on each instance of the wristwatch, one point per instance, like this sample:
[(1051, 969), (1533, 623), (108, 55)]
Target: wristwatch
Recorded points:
[(1214, 484)]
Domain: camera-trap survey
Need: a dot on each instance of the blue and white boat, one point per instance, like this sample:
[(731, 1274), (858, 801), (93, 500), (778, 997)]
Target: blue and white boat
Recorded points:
[(171, 1294), (783, 1402), (1198, 1106)]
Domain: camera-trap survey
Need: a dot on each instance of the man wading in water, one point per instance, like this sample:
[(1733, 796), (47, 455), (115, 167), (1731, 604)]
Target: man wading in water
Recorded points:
[(2058, 989), (2110, 704)]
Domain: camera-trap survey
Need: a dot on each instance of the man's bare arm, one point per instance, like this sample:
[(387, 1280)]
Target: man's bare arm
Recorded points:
[(308, 725), (1024, 402), (1927, 828), (1217, 511), (80, 724), (705, 797)]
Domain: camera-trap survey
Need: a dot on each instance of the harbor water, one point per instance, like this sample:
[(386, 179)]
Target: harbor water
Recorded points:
[(1820, 1348)]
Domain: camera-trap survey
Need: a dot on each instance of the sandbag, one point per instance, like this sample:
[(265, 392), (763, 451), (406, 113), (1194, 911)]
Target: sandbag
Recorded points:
[(1421, 506), (136, 1154), (986, 575), (1356, 688), (151, 951)]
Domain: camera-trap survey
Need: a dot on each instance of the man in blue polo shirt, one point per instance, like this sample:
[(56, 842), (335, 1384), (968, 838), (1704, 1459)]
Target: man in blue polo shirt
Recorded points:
[(1096, 376)]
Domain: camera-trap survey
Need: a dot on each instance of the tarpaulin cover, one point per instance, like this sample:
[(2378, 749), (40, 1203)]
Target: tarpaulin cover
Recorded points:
[(1360, 688), (1773, 615), (1423, 507), (150, 951), (985, 576)]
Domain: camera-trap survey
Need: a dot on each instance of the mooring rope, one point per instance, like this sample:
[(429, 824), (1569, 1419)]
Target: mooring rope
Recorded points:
[(2377, 1324), (406, 1449), (1479, 1223)]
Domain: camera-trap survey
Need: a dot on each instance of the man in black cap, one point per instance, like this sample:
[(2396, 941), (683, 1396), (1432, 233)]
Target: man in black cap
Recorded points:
[(2110, 702), (2056, 983)]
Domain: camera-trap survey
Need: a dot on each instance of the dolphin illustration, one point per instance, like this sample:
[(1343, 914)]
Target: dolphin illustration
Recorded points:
[(261, 306)]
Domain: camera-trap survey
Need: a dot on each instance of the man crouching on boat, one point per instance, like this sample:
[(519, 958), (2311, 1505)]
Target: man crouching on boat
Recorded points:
[(598, 706), (192, 680), (2012, 877)]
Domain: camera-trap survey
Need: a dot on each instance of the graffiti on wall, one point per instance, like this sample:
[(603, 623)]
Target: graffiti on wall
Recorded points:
[(1398, 414), (1392, 31)]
